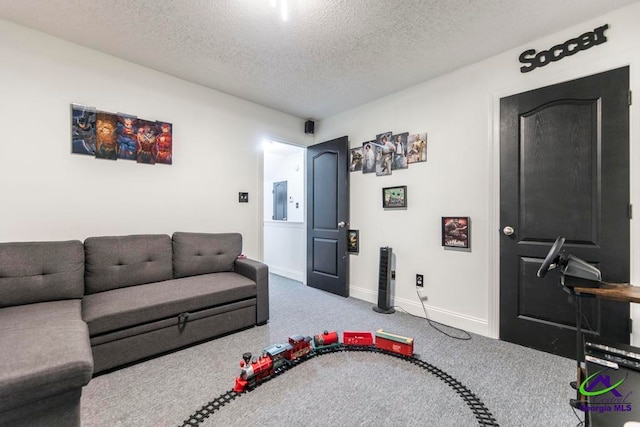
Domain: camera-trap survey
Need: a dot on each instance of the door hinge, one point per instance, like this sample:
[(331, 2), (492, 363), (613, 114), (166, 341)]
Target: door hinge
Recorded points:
[(630, 326), (630, 211), (630, 98)]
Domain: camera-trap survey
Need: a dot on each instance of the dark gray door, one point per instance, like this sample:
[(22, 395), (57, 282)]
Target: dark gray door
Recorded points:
[(328, 216), (564, 170)]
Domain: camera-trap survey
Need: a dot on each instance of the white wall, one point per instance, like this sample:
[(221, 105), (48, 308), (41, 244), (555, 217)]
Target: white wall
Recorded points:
[(48, 193), (459, 111)]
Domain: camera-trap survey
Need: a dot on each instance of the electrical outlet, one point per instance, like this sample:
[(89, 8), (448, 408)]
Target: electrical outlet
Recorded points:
[(419, 280)]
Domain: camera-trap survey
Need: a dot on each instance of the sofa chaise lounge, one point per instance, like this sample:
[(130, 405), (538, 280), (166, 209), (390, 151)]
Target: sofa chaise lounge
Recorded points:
[(69, 310)]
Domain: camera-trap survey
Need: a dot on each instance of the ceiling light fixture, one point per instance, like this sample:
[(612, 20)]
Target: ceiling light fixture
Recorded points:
[(284, 8)]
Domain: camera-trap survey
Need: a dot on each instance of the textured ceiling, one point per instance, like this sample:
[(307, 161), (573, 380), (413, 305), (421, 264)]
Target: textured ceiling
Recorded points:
[(327, 57)]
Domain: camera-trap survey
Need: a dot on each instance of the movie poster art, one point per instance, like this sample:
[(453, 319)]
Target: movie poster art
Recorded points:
[(399, 142), (368, 157), (83, 129), (165, 145), (106, 138), (126, 135), (355, 159), (455, 231), (147, 145), (417, 148), (384, 154)]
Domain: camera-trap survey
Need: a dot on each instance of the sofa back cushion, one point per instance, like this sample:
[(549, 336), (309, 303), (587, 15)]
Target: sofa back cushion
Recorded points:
[(32, 272), (202, 253), (119, 261)]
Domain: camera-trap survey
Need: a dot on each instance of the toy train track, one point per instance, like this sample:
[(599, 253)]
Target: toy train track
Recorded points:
[(482, 414)]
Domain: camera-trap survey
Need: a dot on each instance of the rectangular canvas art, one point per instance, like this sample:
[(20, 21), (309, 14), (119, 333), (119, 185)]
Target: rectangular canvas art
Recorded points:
[(147, 145), (417, 148), (126, 131), (165, 143), (83, 129), (399, 142), (368, 157), (355, 159), (384, 154), (455, 231), (106, 138)]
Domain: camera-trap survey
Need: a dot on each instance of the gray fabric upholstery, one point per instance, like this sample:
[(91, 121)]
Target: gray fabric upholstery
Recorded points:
[(58, 410), (259, 273), (159, 340), (45, 351), (202, 253), (121, 261), (132, 306), (32, 272)]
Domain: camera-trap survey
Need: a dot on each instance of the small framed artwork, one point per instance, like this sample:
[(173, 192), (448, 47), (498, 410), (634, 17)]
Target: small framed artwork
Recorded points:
[(353, 243), (394, 197), (455, 231)]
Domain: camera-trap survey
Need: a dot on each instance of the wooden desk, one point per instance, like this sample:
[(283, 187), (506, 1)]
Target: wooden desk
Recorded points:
[(624, 292)]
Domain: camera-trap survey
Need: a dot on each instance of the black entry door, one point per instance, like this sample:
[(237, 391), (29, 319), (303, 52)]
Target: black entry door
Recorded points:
[(564, 170), (328, 216)]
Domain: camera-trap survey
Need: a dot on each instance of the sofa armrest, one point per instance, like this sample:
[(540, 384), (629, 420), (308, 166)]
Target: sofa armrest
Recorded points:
[(259, 273)]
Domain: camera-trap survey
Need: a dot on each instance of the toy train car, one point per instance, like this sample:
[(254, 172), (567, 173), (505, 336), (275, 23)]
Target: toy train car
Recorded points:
[(394, 343), (357, 338), (253, 371), (326, 340)]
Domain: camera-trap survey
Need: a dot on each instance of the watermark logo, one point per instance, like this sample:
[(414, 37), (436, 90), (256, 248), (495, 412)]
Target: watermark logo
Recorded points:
[(605, 392)]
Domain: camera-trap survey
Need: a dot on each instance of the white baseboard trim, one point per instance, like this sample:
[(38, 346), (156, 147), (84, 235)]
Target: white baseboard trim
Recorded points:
[(285, 272), (447, 317)]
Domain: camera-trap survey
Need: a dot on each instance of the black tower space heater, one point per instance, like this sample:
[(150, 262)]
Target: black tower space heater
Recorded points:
[(384, 282)]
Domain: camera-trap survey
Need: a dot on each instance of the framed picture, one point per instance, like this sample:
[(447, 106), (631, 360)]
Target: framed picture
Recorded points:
[(353, 243), (455, 231), (394, 197)]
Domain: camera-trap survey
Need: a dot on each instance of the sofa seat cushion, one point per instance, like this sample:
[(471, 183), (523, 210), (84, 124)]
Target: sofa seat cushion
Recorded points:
[(44, 351), (127, 307)]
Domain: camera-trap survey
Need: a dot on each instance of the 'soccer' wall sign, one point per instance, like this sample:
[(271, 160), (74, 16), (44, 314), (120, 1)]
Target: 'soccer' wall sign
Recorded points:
[(559, 51)]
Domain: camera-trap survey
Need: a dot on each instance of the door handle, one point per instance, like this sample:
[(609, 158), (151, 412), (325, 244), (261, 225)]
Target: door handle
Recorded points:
[(341, 224), (508, 230)]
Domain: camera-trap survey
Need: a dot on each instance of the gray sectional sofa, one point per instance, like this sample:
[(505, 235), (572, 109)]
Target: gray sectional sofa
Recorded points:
[(69, 310)]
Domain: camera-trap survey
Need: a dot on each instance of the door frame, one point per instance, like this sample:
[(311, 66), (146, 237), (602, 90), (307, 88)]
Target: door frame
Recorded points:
[(261, 195), (494, 223)]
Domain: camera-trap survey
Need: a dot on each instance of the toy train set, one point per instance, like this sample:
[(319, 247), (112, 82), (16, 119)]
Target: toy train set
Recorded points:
[(253, 371), (279, 358)]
